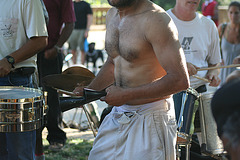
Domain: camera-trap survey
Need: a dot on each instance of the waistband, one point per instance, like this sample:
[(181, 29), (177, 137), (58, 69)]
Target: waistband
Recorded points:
[(161, 105), (23, 71)]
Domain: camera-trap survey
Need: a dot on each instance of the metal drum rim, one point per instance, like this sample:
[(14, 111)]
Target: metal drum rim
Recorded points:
[(31, 100)]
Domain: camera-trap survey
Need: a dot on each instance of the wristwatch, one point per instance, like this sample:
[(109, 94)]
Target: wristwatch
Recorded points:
[(59, 49), (10, 60)]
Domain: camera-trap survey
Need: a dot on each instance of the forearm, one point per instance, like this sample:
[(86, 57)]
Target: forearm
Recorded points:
[(215, 72), (66, 32), (89, 21), (32, 47)]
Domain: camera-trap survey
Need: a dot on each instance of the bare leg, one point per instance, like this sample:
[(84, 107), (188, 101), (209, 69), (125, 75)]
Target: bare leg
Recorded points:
[(82, 57), (74, 57)]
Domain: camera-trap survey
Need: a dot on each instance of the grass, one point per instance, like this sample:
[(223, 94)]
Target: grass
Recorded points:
[(74, 149)]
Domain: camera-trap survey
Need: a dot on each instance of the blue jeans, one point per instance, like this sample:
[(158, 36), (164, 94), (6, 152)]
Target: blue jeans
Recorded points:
[(17, 145)]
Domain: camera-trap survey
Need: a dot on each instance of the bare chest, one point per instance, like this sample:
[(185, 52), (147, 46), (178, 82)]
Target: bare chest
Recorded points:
[(125, 38)]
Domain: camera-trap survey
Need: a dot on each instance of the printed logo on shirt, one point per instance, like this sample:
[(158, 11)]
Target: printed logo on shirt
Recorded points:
[(8, 28), (186, 45)]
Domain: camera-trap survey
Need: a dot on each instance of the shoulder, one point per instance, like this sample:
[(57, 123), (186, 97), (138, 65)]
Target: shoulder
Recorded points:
[(156, 16), (111, 13), (205, 21), (222, 27)]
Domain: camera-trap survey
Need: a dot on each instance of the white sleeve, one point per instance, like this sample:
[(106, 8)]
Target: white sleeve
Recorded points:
[(214, 50), (34, 19)]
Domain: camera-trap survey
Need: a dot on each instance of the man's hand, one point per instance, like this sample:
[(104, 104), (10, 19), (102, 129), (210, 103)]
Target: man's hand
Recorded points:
[(50, 53), (78, 91), (192, 69), (214, 79), (5, 67), (116, 96)]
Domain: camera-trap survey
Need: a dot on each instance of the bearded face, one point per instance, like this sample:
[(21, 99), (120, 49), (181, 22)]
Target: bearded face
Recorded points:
[(120, 3)]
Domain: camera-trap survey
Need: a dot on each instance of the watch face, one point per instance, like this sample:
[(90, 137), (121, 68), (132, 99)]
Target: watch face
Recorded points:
[(11, 60)]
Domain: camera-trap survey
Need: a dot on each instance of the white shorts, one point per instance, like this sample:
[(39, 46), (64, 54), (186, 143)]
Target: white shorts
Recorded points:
[(142, 132)]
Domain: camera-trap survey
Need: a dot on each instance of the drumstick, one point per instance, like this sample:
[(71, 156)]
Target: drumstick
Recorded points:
[(203, 79), (218, 67), (65, 92)]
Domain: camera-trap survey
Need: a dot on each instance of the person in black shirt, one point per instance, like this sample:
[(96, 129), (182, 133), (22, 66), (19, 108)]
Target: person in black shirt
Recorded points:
[(84, 16)]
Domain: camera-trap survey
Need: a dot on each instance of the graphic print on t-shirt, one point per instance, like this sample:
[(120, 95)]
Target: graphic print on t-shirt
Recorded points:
[(186, 45)]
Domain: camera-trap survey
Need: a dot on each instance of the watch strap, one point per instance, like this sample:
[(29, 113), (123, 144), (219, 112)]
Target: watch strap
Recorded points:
[(10, 60)]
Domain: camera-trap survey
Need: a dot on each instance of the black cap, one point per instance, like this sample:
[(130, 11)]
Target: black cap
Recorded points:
[(225, 102)]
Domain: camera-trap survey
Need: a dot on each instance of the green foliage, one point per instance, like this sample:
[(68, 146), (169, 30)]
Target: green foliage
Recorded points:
[(74, 149)]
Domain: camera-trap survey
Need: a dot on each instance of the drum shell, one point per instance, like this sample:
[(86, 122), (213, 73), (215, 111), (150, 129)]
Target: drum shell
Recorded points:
[(24, 114), (211, 143)]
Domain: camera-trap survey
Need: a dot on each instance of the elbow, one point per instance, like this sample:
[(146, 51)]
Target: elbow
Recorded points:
[(43, 42), (183, 83)]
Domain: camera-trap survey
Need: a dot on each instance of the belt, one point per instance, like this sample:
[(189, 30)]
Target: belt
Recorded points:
[(201, 89), (23, 71)]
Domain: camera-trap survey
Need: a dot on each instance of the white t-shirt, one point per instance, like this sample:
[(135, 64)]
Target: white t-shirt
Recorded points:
[(19, 21), (200, 42)]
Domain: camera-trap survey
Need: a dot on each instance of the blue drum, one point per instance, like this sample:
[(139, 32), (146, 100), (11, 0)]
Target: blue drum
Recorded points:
[(184, 109)]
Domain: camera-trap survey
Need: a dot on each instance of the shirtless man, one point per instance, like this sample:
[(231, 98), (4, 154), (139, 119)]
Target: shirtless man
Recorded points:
[(146, 65)]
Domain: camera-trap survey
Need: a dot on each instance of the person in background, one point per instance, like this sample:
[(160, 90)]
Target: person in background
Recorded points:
[(200, 41), (144, 61), (230, 39), (225, 107), (23, 35), (84, 18), (210, 10), (50, 61)]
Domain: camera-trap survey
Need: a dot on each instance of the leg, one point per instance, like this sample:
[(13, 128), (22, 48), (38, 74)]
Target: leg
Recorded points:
[(48, 67), (39, 144), (74, 56), (82, 57), (21, 144), (3, 146)]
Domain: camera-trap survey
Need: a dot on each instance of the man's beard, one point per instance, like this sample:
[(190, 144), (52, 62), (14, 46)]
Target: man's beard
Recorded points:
[(121, 3)]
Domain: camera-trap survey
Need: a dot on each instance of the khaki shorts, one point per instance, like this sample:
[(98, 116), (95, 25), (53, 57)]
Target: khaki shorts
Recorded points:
[(77, 39), (143, 134)]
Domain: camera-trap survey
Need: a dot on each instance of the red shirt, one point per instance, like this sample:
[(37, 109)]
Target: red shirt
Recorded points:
[(59, 12), (209, 10)]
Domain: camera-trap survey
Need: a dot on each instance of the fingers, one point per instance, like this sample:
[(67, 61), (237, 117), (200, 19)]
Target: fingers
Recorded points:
[(215, 81)]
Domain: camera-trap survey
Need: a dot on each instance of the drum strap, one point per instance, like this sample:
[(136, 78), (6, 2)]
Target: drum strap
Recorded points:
[(184, 96)]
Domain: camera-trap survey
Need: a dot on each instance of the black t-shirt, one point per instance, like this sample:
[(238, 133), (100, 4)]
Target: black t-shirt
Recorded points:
[(82, 9)]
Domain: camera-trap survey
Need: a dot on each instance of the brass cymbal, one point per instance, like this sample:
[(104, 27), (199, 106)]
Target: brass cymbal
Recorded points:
[(66, 82), (79, 70)]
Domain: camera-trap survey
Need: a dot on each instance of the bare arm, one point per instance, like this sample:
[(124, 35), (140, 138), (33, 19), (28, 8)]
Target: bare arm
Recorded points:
[(170, 55), (104, 78), (66, 32), (212, 75), (89, 23), (33, 46)]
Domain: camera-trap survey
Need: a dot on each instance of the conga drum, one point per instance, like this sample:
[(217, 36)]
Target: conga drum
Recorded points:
[(21, 109), (211, 143)]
